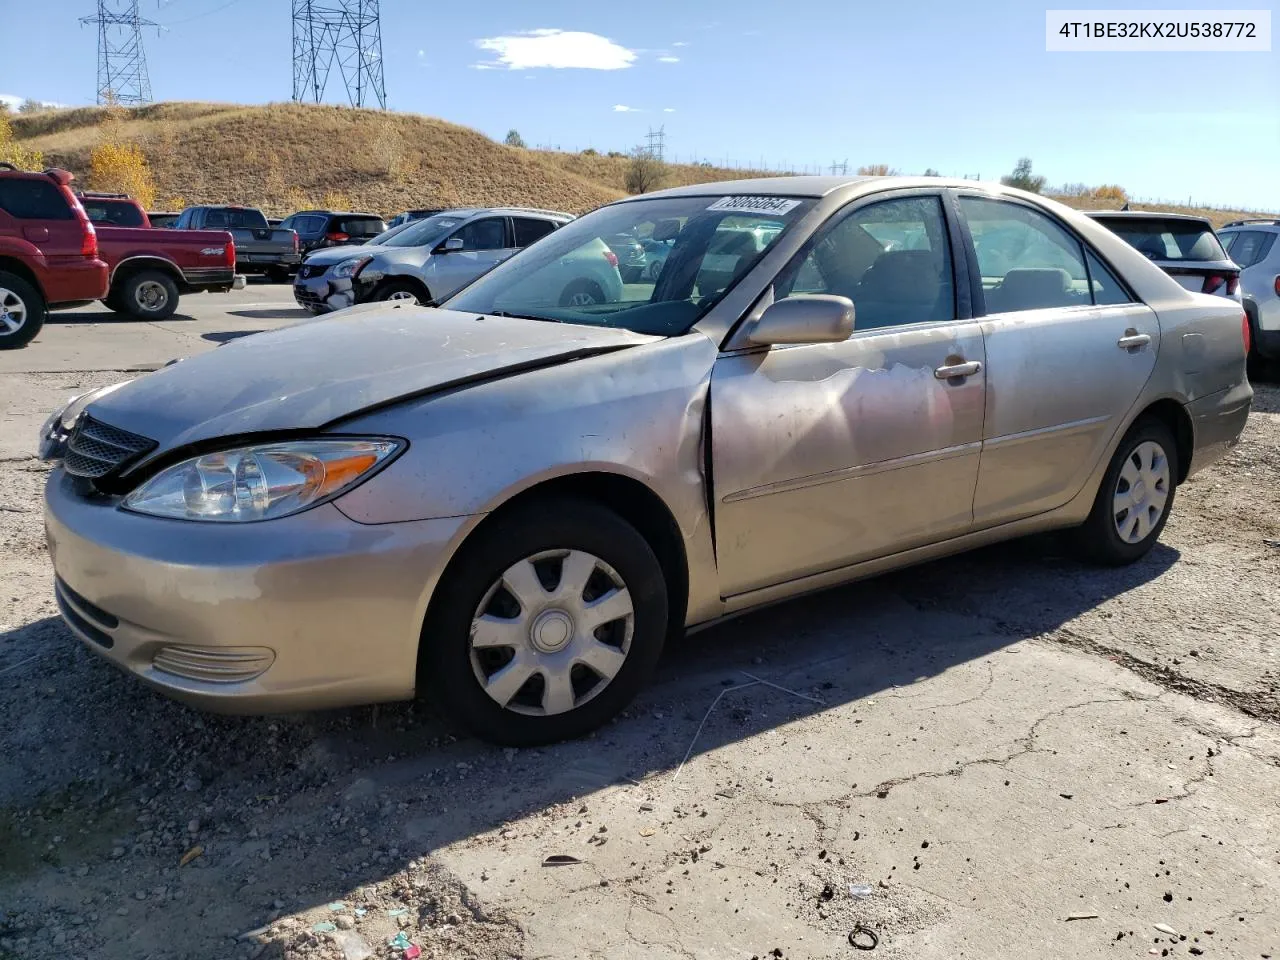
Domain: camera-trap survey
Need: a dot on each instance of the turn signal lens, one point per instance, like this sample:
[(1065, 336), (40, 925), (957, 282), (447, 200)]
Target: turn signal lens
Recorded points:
[(261, 482)]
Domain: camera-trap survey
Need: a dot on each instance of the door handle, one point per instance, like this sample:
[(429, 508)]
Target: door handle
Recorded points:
[(958, 370), (1133, 341)]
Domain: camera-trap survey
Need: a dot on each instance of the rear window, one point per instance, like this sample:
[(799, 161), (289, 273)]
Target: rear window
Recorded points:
[(359, 226), (242, 218), (1248, 247), (33, 200), (528, 230), (115, 213), (1167, 239)]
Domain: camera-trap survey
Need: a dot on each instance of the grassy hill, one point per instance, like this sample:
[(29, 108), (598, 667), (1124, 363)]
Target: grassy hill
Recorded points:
[(285, 157)]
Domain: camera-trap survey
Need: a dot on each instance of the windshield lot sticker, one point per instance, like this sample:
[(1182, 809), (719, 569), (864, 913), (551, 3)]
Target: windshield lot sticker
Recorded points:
[(774, 205)]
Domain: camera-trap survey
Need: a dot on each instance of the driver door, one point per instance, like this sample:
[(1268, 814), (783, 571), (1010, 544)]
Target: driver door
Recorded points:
[(485, 244), (824, 455)]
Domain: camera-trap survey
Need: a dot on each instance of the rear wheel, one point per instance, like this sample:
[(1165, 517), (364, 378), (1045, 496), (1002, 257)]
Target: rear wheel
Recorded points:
[(146, 295), (581, 293), (546, 625), (22, 311), (1135, 497)]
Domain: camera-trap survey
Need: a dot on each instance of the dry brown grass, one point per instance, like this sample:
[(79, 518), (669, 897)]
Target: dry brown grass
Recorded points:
[(286, 156)]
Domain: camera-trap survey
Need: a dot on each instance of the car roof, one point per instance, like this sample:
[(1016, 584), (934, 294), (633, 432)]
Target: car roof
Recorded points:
[(1258, 223), (1145, 215), (336, 213)]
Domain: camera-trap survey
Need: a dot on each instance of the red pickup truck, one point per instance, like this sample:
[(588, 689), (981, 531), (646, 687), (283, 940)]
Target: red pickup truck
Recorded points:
[(48, 252), (152, 267)]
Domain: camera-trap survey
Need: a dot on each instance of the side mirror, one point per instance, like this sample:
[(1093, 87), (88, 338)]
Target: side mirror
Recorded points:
[(665, 230), (453, 243), (819, 318)]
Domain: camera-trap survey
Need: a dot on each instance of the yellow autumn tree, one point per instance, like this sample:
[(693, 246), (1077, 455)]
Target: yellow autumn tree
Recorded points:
[(118, 165), (11, 151)]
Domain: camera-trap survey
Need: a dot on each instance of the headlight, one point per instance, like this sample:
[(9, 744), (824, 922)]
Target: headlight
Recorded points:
[(349, 268), (260, 482), (57, 429)]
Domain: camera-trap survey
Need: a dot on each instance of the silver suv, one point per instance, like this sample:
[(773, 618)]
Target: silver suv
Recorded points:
[(425, 260), (1252, 245)]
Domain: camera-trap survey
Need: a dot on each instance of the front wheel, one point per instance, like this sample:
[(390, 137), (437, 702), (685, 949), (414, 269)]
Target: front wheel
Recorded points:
[(545, 626), (399, 291), (1135, 497), (22, 311), (146, 295)]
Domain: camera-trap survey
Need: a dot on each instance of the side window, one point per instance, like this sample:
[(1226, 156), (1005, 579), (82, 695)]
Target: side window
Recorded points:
[(490, 234), (1107, 290), (33, 200), (1027, 261), (1248, 247), (287, 224), (891, 258), (528, 230)]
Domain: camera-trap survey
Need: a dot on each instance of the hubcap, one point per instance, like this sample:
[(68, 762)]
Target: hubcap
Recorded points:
[(582, 298), (13, 312), (552, 633), (1142, 491), (402, 295), (151, 295)]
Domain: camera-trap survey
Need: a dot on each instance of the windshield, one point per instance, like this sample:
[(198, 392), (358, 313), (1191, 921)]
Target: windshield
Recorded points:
[(422, 233), (689, 252), (1161, 238), (388, 234)]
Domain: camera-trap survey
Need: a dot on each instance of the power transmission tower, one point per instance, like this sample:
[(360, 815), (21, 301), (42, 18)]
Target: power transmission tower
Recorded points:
[(122, 62), (657, 142), (347, 33), (841, 168)]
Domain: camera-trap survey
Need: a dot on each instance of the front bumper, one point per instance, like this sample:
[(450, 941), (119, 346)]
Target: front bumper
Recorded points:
[(324, 611), (323, 293)]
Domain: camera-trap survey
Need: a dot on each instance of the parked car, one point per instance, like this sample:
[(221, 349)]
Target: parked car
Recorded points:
[(427, 259), (114, 210), (1252, 245), (260, 247), (317, 229), (163, 219), (630, 254), (408, 216), (1185, 247), (48, 252), (510, 507), (151, 268), (655, 255)]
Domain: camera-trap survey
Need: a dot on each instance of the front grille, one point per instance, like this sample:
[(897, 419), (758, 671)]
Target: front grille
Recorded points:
[(214, 664), (307, 270), (96, 449), (307, 299)]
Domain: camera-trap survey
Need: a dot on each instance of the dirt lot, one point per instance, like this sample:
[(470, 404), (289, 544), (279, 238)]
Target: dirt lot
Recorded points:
[(1001, 755)]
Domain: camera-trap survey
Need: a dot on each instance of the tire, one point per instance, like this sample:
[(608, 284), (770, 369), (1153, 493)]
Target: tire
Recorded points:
[(581, 293), (400, 290), (147, 295), (22, 311), (525, 711), (653, 269), (1112, 537)]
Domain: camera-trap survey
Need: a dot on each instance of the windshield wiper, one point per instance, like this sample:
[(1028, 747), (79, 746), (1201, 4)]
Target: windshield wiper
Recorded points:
[(520, 316)]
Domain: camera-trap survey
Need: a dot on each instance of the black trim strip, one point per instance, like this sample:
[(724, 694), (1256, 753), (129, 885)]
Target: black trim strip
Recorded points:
[(79, 623)]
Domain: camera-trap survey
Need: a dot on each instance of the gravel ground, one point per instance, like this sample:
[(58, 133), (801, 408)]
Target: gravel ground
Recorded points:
[(992, 744)]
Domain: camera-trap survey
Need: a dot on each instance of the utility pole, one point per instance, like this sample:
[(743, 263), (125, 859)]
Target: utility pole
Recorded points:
[(345, 33), (122, 61)]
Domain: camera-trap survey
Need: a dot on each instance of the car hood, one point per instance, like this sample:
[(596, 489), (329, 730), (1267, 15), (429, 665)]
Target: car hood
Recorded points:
[(331, 255), (315, 373)]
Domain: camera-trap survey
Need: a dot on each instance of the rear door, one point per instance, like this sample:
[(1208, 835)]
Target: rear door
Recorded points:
[(529, 229), (41, 214), (485, 243), (1069, 350)]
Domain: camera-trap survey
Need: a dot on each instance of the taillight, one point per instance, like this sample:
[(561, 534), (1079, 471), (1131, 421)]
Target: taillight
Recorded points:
[(337, 236), (1246, 334), (229, 253), (295, 242), (88, 240), (611, 257), (1233, 284), (1212, 282), (1276, 286)]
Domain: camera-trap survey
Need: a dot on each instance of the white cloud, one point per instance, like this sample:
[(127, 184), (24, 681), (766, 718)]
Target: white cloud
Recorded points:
[(10, 100), (680, 43), (668, 109), (623, 108), (556, 49), (421, 54), (668, 59), (14, 101)]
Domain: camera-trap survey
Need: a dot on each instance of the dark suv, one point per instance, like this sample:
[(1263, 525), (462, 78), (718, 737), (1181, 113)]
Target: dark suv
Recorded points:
[(48, 251), (317, 229)]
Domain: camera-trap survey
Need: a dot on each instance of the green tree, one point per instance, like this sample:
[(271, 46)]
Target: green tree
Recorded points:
[(1023, 178), (513, 138)]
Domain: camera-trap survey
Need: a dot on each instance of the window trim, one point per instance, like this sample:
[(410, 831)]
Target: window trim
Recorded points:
[(979, 295), (959, 268)]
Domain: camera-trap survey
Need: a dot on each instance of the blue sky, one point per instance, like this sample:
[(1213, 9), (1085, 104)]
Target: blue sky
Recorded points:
[(964, 88)]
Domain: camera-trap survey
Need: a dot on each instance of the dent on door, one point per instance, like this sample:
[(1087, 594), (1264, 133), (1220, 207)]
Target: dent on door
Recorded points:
[(825, 455)]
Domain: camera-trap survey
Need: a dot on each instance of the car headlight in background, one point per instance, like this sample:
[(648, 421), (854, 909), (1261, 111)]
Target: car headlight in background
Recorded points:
[(57, 429), (261, 482), (349, 268)]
